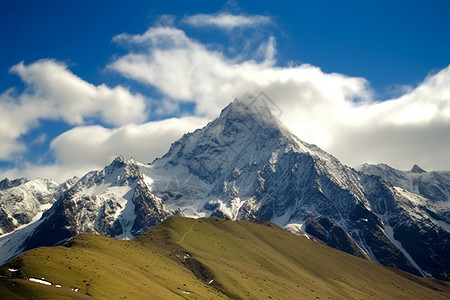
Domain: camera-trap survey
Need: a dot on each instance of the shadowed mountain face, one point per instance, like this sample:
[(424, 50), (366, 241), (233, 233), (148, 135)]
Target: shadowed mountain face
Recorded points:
[(246, 166)]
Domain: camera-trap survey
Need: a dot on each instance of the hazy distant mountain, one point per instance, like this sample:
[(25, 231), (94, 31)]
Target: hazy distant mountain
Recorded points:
[(432, 185)]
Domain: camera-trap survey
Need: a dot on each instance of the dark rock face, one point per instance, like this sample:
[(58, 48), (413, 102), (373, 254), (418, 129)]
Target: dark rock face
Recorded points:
[(59, 226), (330, 233), (428, 246), (6, 222), (415, 225), (5, 184), (371, 231), (417, 169), (148, 209)]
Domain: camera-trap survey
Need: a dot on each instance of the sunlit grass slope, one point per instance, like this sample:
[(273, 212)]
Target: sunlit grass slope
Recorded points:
[(209, 259)]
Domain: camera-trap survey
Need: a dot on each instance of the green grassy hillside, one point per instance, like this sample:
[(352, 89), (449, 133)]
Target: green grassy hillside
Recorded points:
[(207, 259)]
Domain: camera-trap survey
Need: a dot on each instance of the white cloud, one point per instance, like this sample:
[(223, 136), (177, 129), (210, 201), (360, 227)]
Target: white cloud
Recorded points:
[(59, 173), (414, 128), (54, 93), (211, 80), (11, 125), (335, 111), (226, 21), (86, 148), (97, 146)]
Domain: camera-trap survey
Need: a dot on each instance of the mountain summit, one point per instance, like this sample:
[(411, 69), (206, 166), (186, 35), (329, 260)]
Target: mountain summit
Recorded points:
[(245, 165), (417, 169)]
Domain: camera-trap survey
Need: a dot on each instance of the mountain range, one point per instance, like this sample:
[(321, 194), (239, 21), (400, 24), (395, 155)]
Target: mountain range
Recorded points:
[(244, 165)]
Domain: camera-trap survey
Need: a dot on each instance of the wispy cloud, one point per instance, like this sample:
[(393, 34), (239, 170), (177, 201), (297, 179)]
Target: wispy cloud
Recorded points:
[(226, 21)]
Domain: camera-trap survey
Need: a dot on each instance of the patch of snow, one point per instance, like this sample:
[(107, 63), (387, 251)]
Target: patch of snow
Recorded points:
[(189, 212), (42, 281), (413, 198), (127, 216), (443, 224), (296, 228), (97, 189), (160, 177), (273, 160), (283, 219), (148, 181)]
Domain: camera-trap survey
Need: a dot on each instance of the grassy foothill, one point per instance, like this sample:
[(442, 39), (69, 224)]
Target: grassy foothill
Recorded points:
[(207, 258)]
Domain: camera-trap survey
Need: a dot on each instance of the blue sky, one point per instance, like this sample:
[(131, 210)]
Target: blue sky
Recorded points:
[(84, 81)]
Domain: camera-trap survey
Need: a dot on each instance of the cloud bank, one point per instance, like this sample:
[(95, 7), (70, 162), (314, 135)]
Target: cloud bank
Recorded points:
[(337, 112)]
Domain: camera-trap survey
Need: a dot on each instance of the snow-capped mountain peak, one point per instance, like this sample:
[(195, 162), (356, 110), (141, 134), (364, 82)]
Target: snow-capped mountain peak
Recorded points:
[(246, 165), (115, 201), (121, 172)]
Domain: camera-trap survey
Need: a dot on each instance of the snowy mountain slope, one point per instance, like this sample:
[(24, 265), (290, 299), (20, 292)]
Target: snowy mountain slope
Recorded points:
[(428, 192), (22, 204), (12, 244), (243, 148), (115, 202), (246, 166), (432, 185), (406, 222), (22, 201)]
